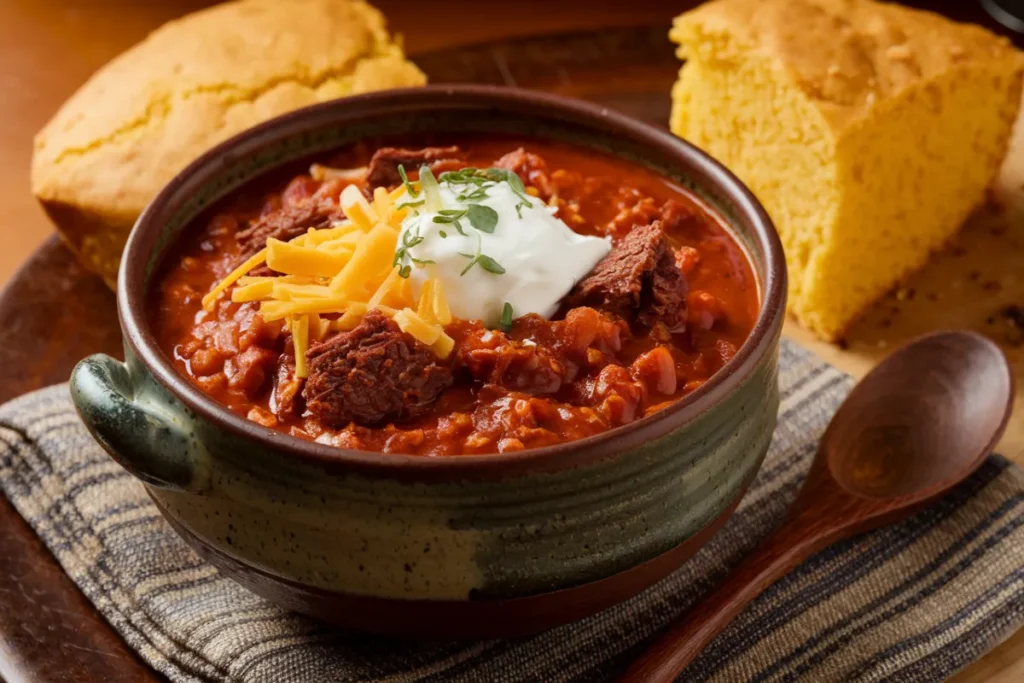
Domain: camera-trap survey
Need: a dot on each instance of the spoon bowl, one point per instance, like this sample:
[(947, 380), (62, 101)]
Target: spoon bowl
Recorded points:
[(917, 425), (922, 420)]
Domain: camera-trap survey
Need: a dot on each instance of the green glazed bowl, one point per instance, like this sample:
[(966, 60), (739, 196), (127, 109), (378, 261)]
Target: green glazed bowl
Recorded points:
[(452, 546)]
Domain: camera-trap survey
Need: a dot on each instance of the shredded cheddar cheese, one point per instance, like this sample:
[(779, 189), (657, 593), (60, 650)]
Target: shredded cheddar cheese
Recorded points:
[(328, 279), (300, 337), (357, 209), (291, 259), (250, 263)]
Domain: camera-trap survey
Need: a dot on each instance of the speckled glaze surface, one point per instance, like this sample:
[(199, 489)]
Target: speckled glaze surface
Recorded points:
[(561, 532)]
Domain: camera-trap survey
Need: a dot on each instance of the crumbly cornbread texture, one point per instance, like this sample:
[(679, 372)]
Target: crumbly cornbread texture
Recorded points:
[(192, 83), (869, 131)]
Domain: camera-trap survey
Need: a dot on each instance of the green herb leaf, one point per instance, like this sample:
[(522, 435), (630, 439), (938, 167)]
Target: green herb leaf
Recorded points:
[(473, 257), (458, 228), (473, 196), (409, 240), (449, 215), (460, 177), (422, 262), (442, 233), (483, 218), (408, 186), (506, 317), (411, 204), (489, 264)]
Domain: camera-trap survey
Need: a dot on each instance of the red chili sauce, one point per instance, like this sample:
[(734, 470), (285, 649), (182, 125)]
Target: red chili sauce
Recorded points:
[(599, 364)]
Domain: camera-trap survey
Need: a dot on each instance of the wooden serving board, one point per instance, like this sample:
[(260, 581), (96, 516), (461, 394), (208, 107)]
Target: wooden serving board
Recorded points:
[(53, 313)]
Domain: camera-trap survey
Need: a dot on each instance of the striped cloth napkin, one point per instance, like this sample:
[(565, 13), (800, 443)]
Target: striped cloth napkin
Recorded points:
[(911, 602)]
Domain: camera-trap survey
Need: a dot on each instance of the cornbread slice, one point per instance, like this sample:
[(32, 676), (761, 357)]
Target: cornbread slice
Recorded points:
[(190, 84), (869, 131)]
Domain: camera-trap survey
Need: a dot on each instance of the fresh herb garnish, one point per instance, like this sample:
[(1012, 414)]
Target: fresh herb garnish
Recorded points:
[(442, 233), (485, 261), (515, 182), (489, 264), (404, 205), (473, 258), (462, 177), (409, 241), (506, 317), (473, 196), (481, 217), (450, 215), (478, 178), (408, 186)]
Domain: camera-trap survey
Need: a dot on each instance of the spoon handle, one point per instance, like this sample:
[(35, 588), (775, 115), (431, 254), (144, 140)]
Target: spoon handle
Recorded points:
[(792, 543)]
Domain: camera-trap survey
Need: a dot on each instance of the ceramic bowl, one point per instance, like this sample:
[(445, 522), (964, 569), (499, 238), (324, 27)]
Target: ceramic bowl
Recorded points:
[(457, 546)]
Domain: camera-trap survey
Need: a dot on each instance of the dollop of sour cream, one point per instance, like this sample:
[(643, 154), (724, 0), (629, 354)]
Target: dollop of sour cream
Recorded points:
[(540, 256)]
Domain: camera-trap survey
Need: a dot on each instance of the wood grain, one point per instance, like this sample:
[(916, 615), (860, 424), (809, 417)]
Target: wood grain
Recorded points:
[(862, 478), (53, 313)]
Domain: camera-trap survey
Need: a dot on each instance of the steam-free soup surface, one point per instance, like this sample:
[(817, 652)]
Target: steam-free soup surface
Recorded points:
[(651, 311)]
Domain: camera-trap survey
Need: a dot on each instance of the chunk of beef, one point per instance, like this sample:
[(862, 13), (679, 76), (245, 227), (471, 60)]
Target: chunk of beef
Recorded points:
[(639, 279), (372, 374), (530, 168), (383, 169), (288, 222), (667, 298)]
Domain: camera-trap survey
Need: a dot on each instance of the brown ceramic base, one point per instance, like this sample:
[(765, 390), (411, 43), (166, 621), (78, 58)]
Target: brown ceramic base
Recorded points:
[(444, 619)]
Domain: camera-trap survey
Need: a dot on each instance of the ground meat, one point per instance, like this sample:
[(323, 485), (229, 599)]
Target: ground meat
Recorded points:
[(383, 169), (288, 222), (248, 370), (639, 279), (615, 395), (530, 168), (372, 374), (538, 356), (675, 215), (491, 357)]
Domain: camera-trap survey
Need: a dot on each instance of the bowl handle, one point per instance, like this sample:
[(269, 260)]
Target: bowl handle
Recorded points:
[(144, 437)]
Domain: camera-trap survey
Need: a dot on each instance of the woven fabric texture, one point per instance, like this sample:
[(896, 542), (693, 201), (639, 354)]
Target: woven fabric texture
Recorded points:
[(911, 602)]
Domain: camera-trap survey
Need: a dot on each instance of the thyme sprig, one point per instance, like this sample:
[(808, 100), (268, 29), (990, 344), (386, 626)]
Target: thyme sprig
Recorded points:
[(409, 189), (409, 240), (478, 178), (485, 261)]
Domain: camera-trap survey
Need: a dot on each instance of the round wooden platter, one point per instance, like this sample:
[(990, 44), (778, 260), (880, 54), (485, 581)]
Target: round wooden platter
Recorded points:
[(53, 313)]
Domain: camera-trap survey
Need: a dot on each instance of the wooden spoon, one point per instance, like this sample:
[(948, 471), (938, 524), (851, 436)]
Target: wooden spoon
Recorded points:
[(917, 425)]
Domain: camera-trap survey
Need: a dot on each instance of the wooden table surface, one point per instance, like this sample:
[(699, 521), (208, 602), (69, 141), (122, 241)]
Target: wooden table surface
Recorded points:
[(49, 47)]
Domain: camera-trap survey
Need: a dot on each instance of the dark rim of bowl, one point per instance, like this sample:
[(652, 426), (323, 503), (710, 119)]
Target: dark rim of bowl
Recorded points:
[(132, 296)]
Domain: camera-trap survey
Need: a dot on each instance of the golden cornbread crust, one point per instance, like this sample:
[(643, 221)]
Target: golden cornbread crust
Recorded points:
[(869, 131), (190, 84), (846, 55)]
